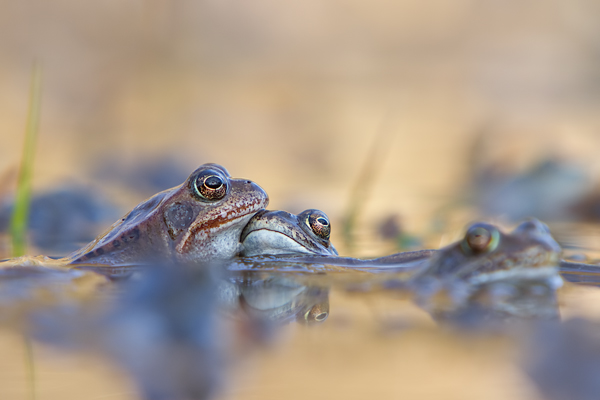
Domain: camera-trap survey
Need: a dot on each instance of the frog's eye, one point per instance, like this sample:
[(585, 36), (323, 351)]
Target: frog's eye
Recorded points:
[(319, 223), (211, 187), (318, 313), (480, 238)]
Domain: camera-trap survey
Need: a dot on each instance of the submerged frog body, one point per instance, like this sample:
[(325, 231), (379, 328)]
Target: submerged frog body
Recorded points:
[(280, 232), (487, 254), (200, 220)]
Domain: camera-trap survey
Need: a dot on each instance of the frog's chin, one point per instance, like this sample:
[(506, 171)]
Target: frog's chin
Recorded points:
[(265, 241), (217, 244)]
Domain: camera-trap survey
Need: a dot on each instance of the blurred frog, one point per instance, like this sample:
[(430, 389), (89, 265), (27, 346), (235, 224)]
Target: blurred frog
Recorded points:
[(486, 253), (490, 276)]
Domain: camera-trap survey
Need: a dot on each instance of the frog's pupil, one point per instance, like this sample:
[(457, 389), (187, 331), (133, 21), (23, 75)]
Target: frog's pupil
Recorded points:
[(321, 317), (213, 182), (479, 238), (322, 221)]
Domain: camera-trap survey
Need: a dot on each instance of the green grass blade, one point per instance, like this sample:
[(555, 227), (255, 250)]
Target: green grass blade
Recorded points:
[(18, 223)]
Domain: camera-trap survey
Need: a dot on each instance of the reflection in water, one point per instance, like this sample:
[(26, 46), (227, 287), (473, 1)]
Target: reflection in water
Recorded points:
[(171, 328), (453, 300), (564, 360), (160, 327), (26, 289), (585, 274), (275, 298), (490, 303)]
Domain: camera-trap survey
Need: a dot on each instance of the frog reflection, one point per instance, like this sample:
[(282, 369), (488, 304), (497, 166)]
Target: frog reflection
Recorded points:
[(275, 298), (486, 253)]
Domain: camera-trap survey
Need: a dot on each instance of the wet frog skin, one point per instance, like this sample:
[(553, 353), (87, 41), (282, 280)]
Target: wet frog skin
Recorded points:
[(280, 232), (200, 220), (487, 254)]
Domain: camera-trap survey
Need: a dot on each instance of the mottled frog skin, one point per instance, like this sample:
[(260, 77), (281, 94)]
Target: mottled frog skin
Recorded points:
[(200, 220), (486, 253), (279, 232)]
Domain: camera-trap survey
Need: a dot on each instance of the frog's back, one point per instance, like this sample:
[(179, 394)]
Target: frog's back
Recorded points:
[(128, 240)]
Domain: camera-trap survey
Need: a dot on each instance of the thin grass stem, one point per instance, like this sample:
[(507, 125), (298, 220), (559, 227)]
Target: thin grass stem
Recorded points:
[(18, 223)]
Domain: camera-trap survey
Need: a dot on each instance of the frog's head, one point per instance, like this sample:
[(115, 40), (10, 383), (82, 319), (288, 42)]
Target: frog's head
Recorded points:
[(486, 253), (280, 232), (206, 215)]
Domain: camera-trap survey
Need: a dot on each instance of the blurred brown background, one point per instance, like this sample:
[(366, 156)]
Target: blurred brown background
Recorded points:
[(293, 95)]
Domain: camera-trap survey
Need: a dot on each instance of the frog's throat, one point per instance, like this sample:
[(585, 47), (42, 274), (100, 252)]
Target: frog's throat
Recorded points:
[(277, 242), (202, 231)]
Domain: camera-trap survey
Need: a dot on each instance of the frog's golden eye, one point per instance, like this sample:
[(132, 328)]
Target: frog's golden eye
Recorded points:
[(211, 187), (317, 313), (480, 238), (319, 223)]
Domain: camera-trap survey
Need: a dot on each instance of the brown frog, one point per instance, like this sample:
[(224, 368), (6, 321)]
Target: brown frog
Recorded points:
[(486, 253), (200, 220)]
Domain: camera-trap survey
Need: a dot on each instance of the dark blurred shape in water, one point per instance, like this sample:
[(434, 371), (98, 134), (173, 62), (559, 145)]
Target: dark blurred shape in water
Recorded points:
[(546, 191), (564, 360), (146, 177), (160, 326), (64, 219)]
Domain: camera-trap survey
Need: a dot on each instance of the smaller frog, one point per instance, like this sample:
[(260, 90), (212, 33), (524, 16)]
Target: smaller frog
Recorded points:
[(200, 220), (280, 232), (487, 254)]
